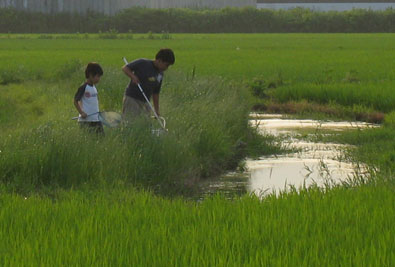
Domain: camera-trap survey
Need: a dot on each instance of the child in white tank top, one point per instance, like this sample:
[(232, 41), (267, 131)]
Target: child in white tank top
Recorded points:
[(86, 100)]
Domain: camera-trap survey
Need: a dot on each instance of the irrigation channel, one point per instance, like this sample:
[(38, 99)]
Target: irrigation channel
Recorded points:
[(309, 163)]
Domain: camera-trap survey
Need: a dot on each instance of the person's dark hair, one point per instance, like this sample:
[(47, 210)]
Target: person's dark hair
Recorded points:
[(93, 69), (166, 55)]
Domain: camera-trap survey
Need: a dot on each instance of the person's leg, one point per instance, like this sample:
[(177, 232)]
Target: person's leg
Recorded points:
[(98, 128), (84, 125), (133, 108), (93, 127)]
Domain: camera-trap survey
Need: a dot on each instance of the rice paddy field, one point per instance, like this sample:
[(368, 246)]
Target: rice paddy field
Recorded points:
[(69, 198)]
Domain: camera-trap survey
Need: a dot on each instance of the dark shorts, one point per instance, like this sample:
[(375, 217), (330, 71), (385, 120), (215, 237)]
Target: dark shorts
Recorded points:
[(92, 126)]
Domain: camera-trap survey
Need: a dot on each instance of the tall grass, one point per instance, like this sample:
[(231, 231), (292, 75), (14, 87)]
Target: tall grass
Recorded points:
[(55, 152), (375, 147)]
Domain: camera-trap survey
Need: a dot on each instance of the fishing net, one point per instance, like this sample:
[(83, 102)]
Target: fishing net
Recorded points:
[(110, 118)]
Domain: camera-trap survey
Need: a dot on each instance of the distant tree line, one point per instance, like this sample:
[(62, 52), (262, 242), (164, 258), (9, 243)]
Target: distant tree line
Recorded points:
[(228, 20), (325, 1)]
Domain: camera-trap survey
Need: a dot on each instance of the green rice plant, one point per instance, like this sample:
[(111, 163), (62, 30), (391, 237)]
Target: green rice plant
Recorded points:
[(368, 95), (69, 68), (341, 226), (45, 36), (10, 76), (258, 88), (165, 35), (110, 34), (238, 57), (390, 120), (19, 104), (351, 77)]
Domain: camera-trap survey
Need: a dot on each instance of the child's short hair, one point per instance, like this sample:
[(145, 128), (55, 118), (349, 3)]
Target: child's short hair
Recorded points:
[(93, 69), (166, 55)]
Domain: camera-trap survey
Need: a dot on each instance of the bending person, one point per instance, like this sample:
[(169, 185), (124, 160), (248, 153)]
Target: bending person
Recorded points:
[(149, 74)]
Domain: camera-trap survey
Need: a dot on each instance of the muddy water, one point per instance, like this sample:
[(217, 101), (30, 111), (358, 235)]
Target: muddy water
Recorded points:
[(318, 164)]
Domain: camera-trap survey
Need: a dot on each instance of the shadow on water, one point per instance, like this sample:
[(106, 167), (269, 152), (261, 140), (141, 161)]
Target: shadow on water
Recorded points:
[(314, 163)]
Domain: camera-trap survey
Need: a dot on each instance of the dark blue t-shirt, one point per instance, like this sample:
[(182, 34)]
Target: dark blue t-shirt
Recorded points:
[(150, 79)]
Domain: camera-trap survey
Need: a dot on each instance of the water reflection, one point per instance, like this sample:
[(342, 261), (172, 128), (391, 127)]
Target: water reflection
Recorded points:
[(314, 163)]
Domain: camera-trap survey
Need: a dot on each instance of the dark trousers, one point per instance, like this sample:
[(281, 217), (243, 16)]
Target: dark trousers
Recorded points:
[(92, 126)]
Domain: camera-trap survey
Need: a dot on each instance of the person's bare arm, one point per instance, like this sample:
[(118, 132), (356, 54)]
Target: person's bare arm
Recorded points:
[(155, 98), (130, 74), (78, 105)]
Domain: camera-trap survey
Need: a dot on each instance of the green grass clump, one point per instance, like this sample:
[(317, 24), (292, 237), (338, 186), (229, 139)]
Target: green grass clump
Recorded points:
[(375, 147)]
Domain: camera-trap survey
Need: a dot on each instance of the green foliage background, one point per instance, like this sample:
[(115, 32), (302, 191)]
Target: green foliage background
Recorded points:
[(227, 20)]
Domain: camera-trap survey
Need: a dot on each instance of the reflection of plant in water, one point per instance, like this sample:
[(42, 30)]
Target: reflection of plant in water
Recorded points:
[(325, 173), (324, 169), (359, 177), (340, 157), (308, 169)]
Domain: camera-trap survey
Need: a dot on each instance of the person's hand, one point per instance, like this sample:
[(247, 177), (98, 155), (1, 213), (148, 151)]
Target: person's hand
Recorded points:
[(84, 115), (135, 79)]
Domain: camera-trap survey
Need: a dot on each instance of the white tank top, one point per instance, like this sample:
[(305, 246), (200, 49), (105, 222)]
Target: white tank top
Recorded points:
[(90, 104)]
